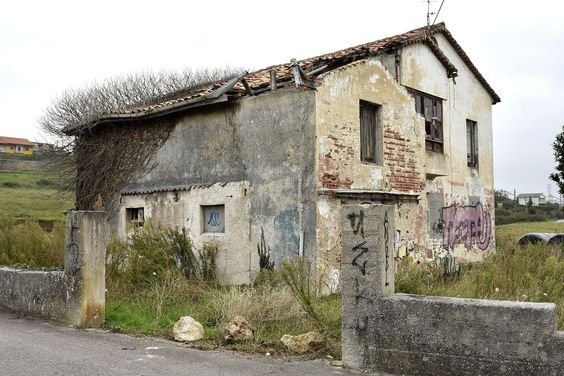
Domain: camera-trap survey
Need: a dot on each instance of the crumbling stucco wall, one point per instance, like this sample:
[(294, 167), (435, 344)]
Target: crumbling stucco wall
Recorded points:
[(255, 156), (457, 194), (183, 208), (341, 176)]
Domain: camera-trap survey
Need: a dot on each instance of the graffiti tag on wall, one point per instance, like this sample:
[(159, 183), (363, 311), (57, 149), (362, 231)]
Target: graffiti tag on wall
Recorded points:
[(469, 224), (360, 251)]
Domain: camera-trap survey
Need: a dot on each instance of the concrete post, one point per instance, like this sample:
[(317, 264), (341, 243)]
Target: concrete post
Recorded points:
[(85, 270), (367, 272)]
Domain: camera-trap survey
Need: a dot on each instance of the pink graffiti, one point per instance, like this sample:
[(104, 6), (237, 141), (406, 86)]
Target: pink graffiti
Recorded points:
[(469, 224)]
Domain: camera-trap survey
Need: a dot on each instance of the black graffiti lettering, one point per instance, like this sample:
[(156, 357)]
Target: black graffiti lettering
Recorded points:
[(363, 250), (386, 247), (357, 222)]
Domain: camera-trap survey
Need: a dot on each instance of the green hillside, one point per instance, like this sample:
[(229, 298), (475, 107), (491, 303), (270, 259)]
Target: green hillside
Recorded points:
[(33, 195)]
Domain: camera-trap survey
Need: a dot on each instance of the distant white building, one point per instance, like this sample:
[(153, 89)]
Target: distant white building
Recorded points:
[(536, 198)]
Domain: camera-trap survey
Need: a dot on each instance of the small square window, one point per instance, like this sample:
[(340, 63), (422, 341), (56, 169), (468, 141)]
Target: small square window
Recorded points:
[(214, 218), (135, 216)]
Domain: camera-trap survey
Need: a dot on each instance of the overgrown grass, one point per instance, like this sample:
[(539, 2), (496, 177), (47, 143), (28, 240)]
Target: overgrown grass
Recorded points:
[(151, 284), (534, 273), (27, 243), (32, 195)]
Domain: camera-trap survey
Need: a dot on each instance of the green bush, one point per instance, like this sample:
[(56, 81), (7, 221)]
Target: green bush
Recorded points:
[(150, 254)]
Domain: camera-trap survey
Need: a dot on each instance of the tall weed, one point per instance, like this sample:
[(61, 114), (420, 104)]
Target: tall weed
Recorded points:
[(27, 243), (533, 273)]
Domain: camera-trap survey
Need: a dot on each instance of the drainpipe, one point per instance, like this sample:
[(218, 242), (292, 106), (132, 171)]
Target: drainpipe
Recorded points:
[(398, 65)]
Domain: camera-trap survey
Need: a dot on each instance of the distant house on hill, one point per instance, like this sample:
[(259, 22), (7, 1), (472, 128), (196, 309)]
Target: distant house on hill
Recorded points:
[(14, 145), (536, 198)]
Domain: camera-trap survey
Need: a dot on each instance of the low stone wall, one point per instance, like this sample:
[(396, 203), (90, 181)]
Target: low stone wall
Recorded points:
[(75, 296), (422, 335), (35, 293), (20, 165)]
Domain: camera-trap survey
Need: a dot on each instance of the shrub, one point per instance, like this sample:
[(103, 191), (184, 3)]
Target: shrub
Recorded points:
[(28, 244), (149, 253)]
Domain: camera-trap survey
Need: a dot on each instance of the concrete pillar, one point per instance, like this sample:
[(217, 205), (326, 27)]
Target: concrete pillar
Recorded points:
[(367, 272), (87, 237)]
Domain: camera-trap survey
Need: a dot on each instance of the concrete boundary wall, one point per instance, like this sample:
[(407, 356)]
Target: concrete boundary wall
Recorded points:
[(34, 293), (421, 335), (75, 296)]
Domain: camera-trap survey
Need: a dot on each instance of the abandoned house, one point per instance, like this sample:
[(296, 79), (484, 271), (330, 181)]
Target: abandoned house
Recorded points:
[(405, 120)]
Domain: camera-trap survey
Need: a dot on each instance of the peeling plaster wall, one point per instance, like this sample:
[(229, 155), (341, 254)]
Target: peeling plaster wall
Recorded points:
[(339, 167), (264, 145), (467, 192), (183, 209)]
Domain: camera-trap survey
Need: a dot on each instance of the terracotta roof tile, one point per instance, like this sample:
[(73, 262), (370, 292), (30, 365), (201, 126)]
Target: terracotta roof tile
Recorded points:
[(260, 79), (15, 141)]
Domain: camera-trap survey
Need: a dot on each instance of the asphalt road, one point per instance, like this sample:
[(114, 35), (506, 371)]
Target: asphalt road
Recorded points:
[(35, 347)]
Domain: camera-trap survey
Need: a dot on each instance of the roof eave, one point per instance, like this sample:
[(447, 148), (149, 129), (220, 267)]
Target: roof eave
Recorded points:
[(217, 96), (441, 28)]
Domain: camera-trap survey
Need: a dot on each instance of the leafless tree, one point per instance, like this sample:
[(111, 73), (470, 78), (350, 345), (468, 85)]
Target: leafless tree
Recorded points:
[(90, 161)]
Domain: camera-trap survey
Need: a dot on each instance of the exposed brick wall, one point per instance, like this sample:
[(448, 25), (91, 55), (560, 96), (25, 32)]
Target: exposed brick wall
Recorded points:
[(400, 159)]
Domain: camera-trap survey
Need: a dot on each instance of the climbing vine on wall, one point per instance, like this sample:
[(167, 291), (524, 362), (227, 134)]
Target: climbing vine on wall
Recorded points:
[(108, 157)]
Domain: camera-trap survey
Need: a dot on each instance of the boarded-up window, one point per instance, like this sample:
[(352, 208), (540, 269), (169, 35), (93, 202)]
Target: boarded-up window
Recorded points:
[(136, 216), (370, 133), (214, 218), (471, 143), (436, 204), (431, 108)]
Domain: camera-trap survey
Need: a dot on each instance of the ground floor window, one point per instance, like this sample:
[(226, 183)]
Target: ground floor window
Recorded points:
[(136, 216), (213, 218)]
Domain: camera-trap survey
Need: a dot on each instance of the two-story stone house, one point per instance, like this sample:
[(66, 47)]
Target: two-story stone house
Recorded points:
[(405, 120)]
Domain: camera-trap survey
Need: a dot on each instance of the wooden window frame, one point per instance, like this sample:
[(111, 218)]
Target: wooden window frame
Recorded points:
[(135, 216), (472, 143), (431, 109), (371, 144)]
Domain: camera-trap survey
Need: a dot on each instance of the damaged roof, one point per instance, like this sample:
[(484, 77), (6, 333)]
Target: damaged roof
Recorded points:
[(304, 72)]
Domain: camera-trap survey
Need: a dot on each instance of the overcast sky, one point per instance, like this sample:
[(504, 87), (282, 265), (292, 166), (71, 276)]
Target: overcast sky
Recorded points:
[(47, 46)]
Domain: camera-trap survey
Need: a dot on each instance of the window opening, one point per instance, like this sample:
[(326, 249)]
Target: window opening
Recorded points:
[(135, 216), (214, 218), (471, 143), (431, 108), (370, 133)]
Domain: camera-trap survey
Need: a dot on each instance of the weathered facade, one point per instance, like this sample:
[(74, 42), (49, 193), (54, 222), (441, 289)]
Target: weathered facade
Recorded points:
[(279, 151)]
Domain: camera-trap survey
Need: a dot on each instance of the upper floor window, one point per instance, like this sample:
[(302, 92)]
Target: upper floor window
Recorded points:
[(370, 133), (472, 143), (431, 108)]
